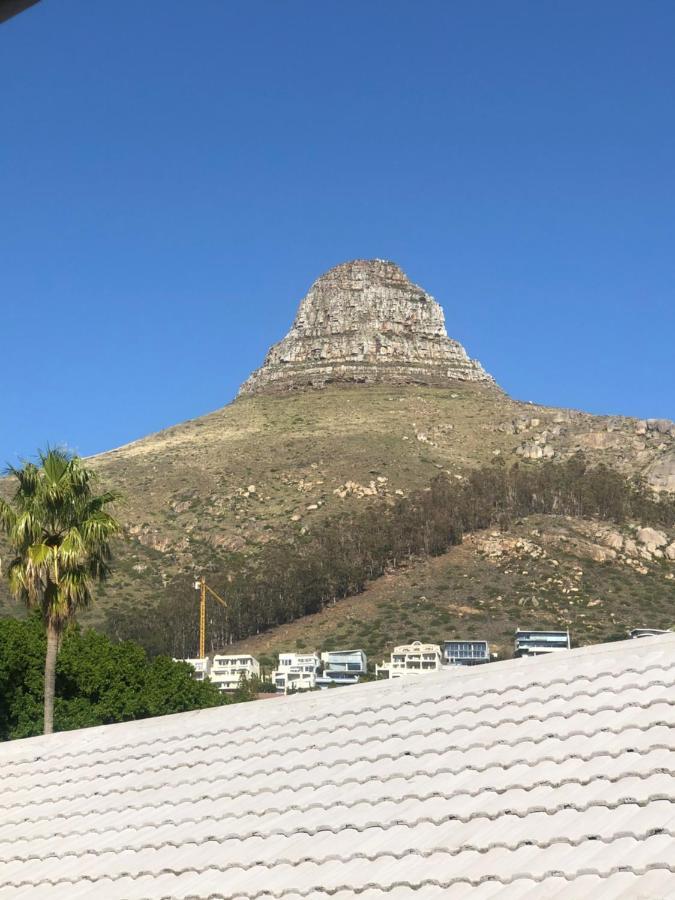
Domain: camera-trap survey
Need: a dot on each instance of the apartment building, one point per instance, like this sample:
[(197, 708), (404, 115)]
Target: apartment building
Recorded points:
[(342, 667), (296, 672), (228, 672), (465, 653), (411, 659), (535, 643)]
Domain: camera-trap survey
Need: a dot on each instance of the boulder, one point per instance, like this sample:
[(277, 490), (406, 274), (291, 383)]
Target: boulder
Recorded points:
[(530, 450), (596, 552), (630, 548), (651, 538), (602, 440), (662, 426), (613, 540), (661, 473)]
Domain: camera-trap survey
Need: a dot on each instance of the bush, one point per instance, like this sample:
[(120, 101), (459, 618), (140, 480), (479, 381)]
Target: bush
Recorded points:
[(97, 681)]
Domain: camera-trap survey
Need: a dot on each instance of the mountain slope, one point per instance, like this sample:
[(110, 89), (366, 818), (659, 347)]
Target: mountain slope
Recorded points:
[(271, 465), (366, 399), (547, 572)]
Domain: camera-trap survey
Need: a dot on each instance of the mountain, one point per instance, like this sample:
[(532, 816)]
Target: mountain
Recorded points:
[(364, 401), (365, 322)]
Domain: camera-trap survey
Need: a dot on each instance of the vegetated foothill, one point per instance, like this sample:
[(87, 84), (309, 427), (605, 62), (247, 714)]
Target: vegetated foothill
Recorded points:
[(339, 556)]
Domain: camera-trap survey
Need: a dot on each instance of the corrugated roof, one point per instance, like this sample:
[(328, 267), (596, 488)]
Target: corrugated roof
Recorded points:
[(547, 777)]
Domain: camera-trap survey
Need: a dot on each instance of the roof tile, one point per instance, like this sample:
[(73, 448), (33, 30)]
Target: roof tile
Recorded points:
[(542, 777)]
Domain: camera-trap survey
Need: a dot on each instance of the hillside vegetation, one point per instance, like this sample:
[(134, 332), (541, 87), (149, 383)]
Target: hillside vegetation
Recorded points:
[(540, 577), (210, 494), (290, 579)]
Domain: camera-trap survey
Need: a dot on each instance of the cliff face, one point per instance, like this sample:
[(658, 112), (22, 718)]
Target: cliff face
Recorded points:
[(365, 322)]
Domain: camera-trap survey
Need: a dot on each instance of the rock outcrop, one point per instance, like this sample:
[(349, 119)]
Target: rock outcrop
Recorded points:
[(365, 322), (661, 473)]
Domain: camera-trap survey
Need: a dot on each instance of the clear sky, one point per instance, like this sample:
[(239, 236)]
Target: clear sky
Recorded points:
[(174, 175)]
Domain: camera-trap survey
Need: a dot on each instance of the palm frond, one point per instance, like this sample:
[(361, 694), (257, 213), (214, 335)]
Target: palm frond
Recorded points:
[(39, 555), (7, 517), (16, 577), (74, 588), (60, 532)]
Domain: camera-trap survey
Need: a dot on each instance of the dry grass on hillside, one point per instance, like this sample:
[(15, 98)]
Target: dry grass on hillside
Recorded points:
[(269, 466)]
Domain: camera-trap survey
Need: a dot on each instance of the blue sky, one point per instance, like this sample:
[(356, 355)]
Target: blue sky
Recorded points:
[(172, 182)]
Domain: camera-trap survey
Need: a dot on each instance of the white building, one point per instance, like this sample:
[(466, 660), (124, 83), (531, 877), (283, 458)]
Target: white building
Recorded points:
[(201, 666), (342, 667), (228, 672), (296, 672), (411, 659)]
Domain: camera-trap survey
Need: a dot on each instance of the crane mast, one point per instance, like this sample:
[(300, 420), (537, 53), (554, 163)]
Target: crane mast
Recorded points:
[(203, 588)]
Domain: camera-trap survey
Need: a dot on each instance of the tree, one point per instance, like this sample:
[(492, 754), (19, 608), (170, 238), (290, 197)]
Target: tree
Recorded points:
[(59, 531), (98, 681)]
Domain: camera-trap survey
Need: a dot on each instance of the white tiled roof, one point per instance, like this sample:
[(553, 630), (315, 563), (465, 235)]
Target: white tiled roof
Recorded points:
[(534, 778)]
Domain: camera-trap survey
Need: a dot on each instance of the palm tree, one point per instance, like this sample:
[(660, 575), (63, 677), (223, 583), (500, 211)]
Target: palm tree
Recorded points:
[(59, 531)]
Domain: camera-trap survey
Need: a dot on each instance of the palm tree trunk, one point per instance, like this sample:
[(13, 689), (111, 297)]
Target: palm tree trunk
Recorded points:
[(50, 675)]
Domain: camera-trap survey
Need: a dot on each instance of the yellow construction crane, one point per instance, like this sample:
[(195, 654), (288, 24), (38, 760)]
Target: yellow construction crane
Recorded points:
[(203, 588)]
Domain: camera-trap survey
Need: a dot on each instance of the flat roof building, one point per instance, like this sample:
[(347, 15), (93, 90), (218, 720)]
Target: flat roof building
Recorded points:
[(225, 671), (411, 659), (201, 666), (536, 643), (342, 667), (465, 653), (296, 672), (229, 672)]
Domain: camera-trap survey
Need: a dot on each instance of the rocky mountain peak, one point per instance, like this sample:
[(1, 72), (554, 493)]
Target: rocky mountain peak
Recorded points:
[(364, 321)]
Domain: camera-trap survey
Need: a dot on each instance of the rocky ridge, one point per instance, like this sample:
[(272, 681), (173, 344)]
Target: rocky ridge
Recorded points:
[(365, 322)]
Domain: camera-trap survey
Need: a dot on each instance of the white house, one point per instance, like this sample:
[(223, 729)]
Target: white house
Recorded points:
[(202, 667), (296, 672), (411, 659), (228, 672)]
